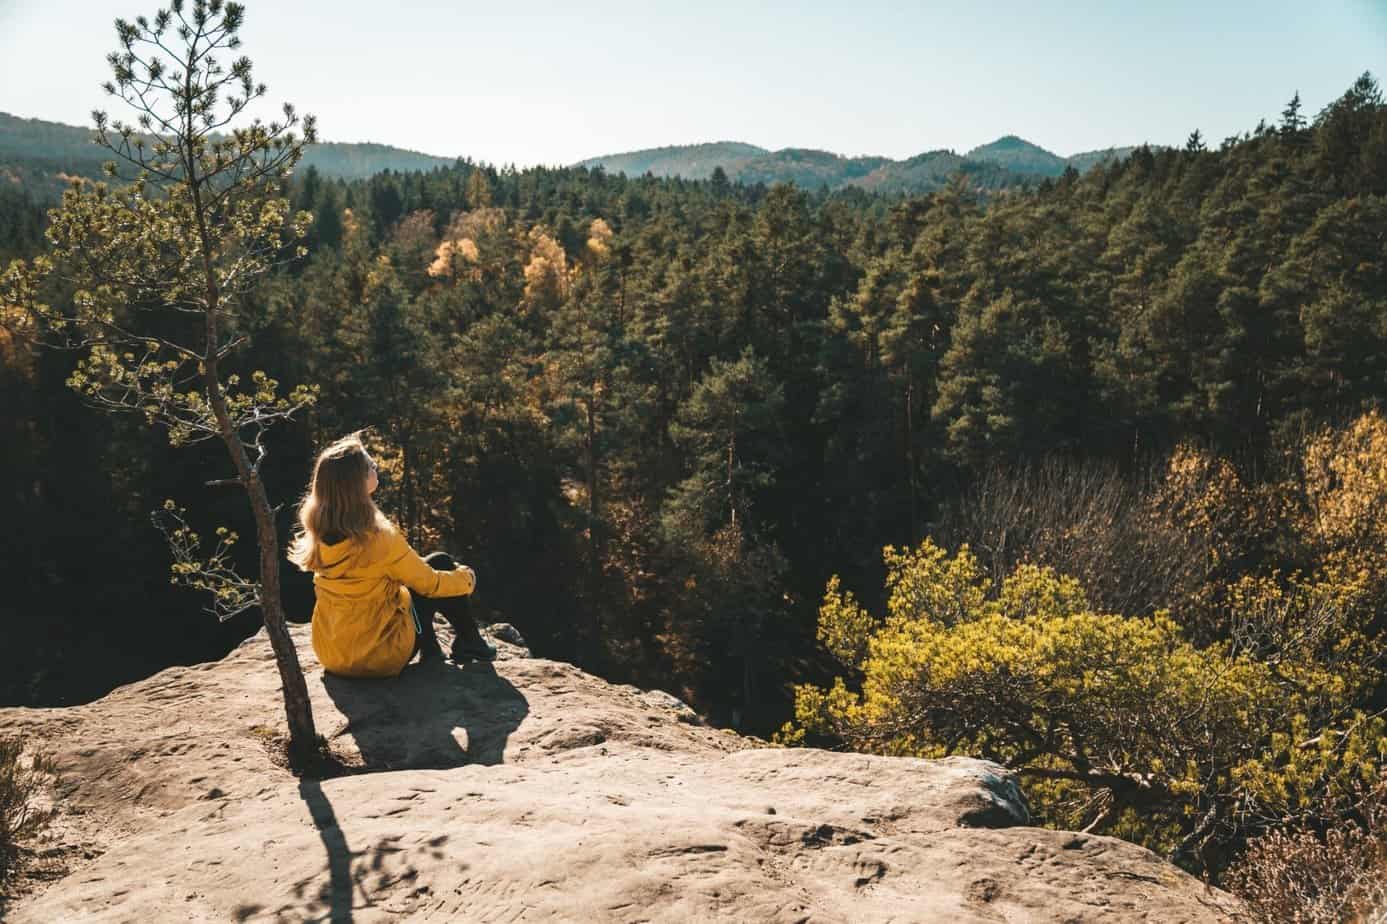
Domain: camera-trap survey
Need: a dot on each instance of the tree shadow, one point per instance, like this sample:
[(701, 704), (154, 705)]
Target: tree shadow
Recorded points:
[(339, 854), (433, 716), (368, 873)]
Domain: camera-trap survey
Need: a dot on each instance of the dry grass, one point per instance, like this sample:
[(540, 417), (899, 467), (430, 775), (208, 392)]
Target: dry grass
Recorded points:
[(1304, 878), (26, 776)]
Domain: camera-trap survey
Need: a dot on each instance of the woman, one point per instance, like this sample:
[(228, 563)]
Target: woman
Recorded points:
[(366, 623)]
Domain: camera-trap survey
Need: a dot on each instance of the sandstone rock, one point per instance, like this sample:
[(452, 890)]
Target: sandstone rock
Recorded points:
[(528, 790)]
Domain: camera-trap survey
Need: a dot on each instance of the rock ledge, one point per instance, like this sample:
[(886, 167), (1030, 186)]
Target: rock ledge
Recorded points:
[(527, 790)]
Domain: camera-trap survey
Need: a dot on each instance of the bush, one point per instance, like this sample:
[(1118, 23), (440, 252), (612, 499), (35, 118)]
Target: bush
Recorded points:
[(22, 814), (1117, 724)]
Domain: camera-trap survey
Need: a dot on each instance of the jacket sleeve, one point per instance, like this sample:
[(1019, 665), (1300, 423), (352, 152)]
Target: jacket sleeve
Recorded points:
[(406, 566)]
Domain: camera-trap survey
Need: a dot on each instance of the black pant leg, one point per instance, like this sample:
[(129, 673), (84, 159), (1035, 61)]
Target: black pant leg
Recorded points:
[(424, 607), (457, 610), (425, 639)]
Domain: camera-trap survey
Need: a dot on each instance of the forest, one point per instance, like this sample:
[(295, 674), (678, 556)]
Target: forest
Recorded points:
[(1085, 478)]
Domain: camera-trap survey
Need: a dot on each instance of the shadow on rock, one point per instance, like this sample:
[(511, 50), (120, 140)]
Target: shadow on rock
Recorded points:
[(355, 878), (432, 717), (339, 856)]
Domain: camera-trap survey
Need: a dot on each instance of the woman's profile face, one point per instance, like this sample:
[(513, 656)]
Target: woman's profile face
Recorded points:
[(372, 479)]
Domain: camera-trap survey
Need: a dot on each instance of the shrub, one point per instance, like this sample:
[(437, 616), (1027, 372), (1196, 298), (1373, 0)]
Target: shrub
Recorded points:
[(1117, 724)]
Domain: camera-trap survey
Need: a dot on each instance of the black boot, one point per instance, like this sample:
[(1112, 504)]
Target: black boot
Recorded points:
[(468, 643)]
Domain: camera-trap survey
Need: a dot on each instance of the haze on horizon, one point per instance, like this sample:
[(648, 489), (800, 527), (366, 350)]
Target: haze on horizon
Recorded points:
[(547, 82)]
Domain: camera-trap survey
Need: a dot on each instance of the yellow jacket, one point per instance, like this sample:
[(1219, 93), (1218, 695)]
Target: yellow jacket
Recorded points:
[(362, 625)]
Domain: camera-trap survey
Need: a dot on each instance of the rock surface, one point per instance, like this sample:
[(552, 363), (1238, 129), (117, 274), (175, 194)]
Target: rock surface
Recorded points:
[(527, 790)]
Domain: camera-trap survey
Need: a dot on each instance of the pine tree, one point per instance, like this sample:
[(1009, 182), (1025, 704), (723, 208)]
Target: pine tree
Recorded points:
[(1292, 122), (163, 268), (730, 426), (719, 183)]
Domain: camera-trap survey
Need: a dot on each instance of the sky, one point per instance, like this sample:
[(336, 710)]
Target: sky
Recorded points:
[(544, 82)]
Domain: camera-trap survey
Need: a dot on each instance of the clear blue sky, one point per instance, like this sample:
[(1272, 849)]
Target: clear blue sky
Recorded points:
[(551, 82)]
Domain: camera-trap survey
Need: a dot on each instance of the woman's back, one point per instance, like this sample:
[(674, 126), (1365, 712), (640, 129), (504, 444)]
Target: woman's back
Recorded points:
[(362, 625)]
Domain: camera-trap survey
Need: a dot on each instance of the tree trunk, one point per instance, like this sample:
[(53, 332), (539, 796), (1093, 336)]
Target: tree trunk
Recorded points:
[(594, 501), (411, 517), (298, 708), (590, 451), (748, 677), (910, 452), (731, 468)]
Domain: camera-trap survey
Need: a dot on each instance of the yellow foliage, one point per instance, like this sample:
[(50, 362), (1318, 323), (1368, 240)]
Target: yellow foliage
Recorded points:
[(926, 584), (1121, 722), (478, 190), (1345, 496), (546, 273), (1247, 702), (20, 312), (1031, 591), (351, 226), (414, 233), (442, 265), (1205, 494), (477, 224), (599, 239), (451, 255), (1346, 482), (380, 273), (459, 254), (844, 625)]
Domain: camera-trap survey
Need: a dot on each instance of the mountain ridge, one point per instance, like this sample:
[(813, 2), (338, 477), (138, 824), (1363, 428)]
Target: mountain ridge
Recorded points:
[(42, 154), (1008, 161)]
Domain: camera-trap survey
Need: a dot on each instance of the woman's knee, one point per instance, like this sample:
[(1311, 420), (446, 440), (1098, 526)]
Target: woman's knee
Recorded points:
[(441, 561)]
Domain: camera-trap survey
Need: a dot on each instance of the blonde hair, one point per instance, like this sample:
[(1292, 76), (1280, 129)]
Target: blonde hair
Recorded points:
[(337, 505)]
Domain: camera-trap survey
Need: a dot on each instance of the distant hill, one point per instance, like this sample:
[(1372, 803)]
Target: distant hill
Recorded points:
[(1019, 156), (933, 169), (691, 161), (40, 156), (808, 168), (1008, 161), (1087, 160)]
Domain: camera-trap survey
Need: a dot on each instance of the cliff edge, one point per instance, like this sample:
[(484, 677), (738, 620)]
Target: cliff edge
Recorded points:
[(527, 790)]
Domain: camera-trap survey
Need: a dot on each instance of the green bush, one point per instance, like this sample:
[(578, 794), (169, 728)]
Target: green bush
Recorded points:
[(1116, 724)]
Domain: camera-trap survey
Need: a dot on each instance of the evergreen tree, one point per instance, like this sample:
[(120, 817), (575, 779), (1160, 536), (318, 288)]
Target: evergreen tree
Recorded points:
[(730, 426), (1292, 122), (162, 268)]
